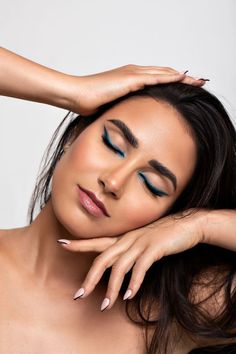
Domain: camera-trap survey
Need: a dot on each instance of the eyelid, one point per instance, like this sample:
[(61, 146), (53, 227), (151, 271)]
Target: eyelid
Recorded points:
[(107, 139), (153, 190), (157, 191)]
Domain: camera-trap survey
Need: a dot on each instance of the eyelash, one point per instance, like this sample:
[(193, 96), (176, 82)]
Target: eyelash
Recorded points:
[(106, 140)]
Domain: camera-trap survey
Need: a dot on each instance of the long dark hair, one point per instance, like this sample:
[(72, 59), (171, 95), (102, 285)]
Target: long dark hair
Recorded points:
[(170, 284)]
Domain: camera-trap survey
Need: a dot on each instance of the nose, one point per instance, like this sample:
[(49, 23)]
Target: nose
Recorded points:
[(115, 180)]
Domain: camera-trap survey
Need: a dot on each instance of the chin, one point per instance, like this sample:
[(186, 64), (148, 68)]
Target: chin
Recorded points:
[(73, 220), (77, 222)]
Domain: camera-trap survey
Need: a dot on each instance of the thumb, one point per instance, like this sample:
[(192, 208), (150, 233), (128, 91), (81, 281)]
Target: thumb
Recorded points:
[(98, 244)]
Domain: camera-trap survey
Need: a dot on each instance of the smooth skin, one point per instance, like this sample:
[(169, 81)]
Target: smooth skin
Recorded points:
[(50, 272)]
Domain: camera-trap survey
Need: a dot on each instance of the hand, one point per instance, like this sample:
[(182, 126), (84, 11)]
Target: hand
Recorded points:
[(139, 249), (92, 91)]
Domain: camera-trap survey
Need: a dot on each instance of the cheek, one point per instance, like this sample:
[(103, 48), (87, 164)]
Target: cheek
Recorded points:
[(86, 156), (138, 211), (82, 164)]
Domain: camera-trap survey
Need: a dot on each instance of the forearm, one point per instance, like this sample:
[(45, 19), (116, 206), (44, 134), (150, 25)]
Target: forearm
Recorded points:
[(219, 228), (25, 79)]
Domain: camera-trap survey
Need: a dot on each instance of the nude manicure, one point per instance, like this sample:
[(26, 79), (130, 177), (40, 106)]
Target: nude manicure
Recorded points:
[(105, 303), (79, 293), (64, 241), (127, 294)]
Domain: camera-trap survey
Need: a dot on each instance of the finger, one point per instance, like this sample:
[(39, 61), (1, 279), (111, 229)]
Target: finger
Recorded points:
[(150, 79), (151, 67), (193, 81), (139, 270), (158, 69), (100, 264), (98, 244), (119, 269)]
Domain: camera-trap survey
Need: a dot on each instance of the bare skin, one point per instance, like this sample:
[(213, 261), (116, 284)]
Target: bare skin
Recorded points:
[(38, 276), (50, 273), (40, 316)]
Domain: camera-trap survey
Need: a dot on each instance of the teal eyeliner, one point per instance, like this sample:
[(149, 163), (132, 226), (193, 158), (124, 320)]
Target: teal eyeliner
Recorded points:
[(107, 141)]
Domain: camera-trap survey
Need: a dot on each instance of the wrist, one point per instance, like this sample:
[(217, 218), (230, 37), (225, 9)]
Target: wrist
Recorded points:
[(25, 79), (200, 219), (219, 228), (203, 220), (62, 92)]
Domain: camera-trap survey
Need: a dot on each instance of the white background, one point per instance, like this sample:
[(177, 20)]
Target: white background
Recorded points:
[(84, 37)]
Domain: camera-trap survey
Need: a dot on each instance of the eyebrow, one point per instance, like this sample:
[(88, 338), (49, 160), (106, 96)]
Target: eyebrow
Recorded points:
[(134, 142)]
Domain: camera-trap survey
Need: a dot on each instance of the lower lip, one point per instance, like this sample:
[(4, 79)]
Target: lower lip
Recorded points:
[(89, 204)]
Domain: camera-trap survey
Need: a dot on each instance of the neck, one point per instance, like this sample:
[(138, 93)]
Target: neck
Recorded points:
[(44, 258)]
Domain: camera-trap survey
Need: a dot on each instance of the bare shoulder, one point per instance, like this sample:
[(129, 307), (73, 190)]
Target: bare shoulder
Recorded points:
[(3, 242), (5, 233), (7, 238), (9, 234), (3, 237)]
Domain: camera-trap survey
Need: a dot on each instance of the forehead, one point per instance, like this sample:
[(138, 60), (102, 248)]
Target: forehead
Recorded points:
[(162, 132)]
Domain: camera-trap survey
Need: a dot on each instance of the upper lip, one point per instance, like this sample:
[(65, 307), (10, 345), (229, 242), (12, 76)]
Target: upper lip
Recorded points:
[(98, 202)]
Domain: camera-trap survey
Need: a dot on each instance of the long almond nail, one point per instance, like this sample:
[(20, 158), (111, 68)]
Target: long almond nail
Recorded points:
[(201, 78), (63, 241), (105, 303), (79, 293), (127, 294)]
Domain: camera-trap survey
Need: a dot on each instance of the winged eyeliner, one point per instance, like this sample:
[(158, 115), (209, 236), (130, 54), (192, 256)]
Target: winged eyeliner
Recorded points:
[(133, 141)]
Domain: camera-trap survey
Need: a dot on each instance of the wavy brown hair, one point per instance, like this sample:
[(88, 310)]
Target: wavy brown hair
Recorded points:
[(169, 298)]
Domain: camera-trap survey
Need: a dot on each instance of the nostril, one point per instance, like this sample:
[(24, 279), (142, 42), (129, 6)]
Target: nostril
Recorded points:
[(101, 182), (107, 188)]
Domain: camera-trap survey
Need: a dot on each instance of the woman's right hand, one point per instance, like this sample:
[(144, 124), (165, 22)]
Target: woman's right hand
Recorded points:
[(22, 78), (92, 91)]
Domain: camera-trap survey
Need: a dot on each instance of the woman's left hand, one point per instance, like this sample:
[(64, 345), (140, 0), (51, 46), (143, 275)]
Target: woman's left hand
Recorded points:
[(139, 249)]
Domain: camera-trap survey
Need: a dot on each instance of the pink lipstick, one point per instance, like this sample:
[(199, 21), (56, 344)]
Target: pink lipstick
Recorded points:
[(91, 203)]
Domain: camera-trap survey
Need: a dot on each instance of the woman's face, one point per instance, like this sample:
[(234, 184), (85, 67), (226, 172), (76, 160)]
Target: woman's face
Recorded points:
[(117, 177)]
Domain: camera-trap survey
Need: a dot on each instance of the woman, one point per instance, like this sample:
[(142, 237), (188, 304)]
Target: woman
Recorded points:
[(144, 176)]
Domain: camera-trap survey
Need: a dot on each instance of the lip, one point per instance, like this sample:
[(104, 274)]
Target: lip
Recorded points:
[(91, 203)]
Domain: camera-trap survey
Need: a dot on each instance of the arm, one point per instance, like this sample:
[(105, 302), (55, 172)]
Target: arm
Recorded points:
[(219, 228), (25, 79)]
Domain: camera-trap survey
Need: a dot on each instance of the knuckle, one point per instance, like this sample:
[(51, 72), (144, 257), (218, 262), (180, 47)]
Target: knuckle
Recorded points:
[(168, 68), (97, 260), (132, 68), (95, 263), (135, 282), (138, 268), (118, 267), (157, 255), (129, 66), (96, 266)]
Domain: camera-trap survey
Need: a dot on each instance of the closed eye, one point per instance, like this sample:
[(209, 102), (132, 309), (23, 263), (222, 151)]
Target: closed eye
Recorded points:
[(107, 141), (153, 189)]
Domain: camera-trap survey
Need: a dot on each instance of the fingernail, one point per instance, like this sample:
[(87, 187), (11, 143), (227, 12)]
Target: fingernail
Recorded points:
[(127, 294), (105, 303), (79, 293), (200, 78), (65, 242)]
